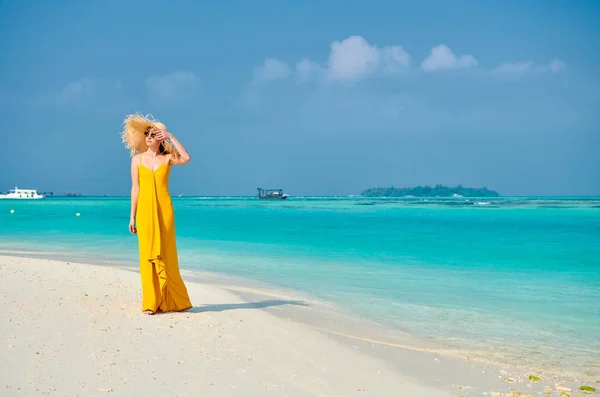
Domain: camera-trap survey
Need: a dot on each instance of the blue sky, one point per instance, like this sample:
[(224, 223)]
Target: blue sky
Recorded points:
[(319, 98)]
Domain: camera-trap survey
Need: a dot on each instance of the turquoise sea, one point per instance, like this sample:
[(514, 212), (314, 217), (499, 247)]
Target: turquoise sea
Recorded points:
[(512, 280)]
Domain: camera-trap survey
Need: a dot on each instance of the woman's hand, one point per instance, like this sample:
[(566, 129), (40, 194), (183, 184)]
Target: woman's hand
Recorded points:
[(132, 228), (161, 135)]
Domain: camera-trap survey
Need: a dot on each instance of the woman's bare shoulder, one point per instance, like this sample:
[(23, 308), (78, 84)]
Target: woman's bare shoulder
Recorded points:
[(136, 159)]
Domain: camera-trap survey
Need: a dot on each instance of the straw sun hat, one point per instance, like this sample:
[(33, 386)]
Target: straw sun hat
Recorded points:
[(134, 127)]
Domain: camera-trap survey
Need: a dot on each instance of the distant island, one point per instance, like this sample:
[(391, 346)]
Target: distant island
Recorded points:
[(428, 191)]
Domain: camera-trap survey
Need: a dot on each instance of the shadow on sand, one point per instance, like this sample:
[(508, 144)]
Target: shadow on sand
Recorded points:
[(247, 305)]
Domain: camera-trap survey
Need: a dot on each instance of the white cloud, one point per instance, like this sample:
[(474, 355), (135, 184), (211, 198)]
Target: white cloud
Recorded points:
[(354, 59), (350, 60), (394, 58), (518, 69), (307, 69), (272, 69), (85, 87), (514, 67), (442, 57), (171, 87), (85, 90)]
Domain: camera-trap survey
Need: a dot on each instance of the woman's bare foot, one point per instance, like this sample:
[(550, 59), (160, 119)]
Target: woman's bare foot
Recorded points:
[(148, 312)]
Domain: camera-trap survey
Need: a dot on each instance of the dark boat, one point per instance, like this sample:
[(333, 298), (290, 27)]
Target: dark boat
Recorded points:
[(276, 194)]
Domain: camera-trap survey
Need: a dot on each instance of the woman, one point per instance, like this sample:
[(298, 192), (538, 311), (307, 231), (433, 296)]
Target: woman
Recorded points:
[(154, 151)]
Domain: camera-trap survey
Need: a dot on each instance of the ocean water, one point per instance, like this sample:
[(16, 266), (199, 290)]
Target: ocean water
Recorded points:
[(512, 280)]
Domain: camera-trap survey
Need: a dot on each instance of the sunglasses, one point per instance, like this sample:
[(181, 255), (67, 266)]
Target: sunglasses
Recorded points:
[(152, 134)]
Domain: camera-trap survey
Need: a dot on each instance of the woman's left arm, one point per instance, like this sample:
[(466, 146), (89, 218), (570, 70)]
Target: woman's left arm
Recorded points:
[(184, 156)]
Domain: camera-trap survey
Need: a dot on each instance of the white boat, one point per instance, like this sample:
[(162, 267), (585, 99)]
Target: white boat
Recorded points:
[(22, 194)]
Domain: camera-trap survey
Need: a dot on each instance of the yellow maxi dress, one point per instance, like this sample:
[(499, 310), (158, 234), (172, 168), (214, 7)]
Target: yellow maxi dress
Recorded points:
[(163, 289)]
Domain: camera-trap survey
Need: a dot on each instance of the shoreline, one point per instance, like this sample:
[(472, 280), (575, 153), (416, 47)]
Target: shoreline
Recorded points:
[(326, 316), (438, 369)]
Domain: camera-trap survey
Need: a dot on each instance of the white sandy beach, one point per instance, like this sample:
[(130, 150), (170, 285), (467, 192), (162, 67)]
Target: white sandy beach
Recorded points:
[(77, 330)]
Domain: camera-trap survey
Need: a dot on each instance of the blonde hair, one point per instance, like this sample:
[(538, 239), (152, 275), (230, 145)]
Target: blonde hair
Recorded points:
[(133, 136)]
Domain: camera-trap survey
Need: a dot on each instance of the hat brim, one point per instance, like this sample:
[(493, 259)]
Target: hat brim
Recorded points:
[(132, 135)]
